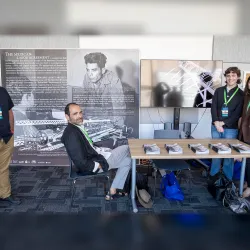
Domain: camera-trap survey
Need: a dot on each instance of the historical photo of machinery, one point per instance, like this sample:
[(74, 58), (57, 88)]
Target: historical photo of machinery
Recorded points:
[(37, 83), (41, 82)]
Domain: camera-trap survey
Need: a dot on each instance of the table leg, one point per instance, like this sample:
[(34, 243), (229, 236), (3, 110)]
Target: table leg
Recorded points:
[(133, 183), (242, 175)]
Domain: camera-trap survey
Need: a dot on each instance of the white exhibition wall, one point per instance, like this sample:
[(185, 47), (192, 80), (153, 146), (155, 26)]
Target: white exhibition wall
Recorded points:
[(155, 17), (155, 47), (162, 47)]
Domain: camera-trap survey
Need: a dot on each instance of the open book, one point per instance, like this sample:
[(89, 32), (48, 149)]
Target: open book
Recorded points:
[(220, 148), (198, 148), (151, 149), (243, 149), (174, 148)]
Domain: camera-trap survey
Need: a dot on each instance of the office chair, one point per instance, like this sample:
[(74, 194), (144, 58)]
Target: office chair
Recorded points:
[(74, 175), (175, 165), (167, 134)]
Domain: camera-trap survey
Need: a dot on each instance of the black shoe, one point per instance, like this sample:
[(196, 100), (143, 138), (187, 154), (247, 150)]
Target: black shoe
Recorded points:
[(11, 200), (213, 178)]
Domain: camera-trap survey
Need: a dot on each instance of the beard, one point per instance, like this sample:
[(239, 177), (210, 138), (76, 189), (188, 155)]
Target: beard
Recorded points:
[(77, 122)]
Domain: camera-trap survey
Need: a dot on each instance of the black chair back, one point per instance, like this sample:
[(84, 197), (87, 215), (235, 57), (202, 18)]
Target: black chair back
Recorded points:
[(166, 134)]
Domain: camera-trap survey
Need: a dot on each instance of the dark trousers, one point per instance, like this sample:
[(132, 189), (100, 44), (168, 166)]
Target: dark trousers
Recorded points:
[(247, 172)]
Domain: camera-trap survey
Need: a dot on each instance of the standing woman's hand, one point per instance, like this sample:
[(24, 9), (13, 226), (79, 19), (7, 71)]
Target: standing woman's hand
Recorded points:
[(218, 126), (239, 123)]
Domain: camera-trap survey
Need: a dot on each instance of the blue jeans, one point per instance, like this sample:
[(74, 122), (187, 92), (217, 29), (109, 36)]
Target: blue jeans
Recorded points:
[(228, 164)]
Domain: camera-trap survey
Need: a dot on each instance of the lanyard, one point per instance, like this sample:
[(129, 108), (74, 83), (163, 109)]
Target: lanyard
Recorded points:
[(248, 106), (86, 134), (225, 96)]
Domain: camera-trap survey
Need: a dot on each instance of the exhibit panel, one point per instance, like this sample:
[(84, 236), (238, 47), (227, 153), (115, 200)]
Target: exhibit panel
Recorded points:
[(42, 81)]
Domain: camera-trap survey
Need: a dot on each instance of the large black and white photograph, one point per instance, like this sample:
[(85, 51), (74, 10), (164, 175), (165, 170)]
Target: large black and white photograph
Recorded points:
[(177, 83), (41, 82), (105, 83)]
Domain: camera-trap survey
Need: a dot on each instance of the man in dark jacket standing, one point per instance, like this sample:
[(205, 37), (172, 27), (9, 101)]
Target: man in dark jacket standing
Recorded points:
[(90, 159), (226, 111), (6, 145)]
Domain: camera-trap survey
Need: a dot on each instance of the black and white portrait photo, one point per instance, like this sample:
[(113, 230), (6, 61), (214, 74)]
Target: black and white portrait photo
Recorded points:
[(106, 84)]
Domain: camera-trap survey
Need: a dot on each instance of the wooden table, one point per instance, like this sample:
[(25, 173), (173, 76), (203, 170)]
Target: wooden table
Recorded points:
[(137, 152)]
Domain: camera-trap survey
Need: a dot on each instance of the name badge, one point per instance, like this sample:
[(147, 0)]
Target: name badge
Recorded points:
[(1, 113), (224, 111)]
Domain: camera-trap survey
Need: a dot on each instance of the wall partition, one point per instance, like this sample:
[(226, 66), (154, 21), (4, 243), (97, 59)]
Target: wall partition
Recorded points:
[(42, 81)]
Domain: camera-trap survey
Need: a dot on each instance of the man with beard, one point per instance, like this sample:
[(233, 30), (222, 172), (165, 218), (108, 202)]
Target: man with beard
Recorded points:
[(90, 159)]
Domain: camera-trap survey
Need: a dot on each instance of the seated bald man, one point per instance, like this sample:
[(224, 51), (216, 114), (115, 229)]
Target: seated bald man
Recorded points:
[(90, 159)]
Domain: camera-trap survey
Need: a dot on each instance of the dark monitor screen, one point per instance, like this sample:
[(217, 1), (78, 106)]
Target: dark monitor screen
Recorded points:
[(179, 83)]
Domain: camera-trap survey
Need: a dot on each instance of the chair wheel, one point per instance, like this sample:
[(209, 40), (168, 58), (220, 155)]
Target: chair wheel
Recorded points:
[(204, 173)]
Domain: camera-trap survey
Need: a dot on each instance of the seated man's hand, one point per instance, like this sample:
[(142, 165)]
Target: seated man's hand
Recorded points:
[(104, 168)]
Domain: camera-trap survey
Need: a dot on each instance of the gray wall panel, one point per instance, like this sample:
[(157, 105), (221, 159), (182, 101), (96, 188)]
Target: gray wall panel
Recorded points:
[(231, 48), (39, 41)]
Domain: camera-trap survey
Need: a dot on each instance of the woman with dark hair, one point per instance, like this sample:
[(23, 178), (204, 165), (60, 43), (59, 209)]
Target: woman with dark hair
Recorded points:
[(244, 134)]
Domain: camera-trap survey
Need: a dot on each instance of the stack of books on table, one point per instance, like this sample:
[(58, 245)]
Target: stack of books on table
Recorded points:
[(174, 148), (198, 148), (220, 148), (243, 149), (151, 149)]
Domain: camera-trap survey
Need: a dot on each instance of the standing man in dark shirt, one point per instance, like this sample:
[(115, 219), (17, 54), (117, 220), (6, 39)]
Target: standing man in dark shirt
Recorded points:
[(226, 111), (6, 145)]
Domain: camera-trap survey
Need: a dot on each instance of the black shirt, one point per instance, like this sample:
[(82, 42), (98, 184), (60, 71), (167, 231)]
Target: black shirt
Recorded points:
[(6, 104), (234, 107), (198, 100), (80, 151)]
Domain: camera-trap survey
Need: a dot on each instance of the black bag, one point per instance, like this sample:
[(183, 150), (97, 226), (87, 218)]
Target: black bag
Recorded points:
[(234, 202), (141, 182), (217, 186)]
